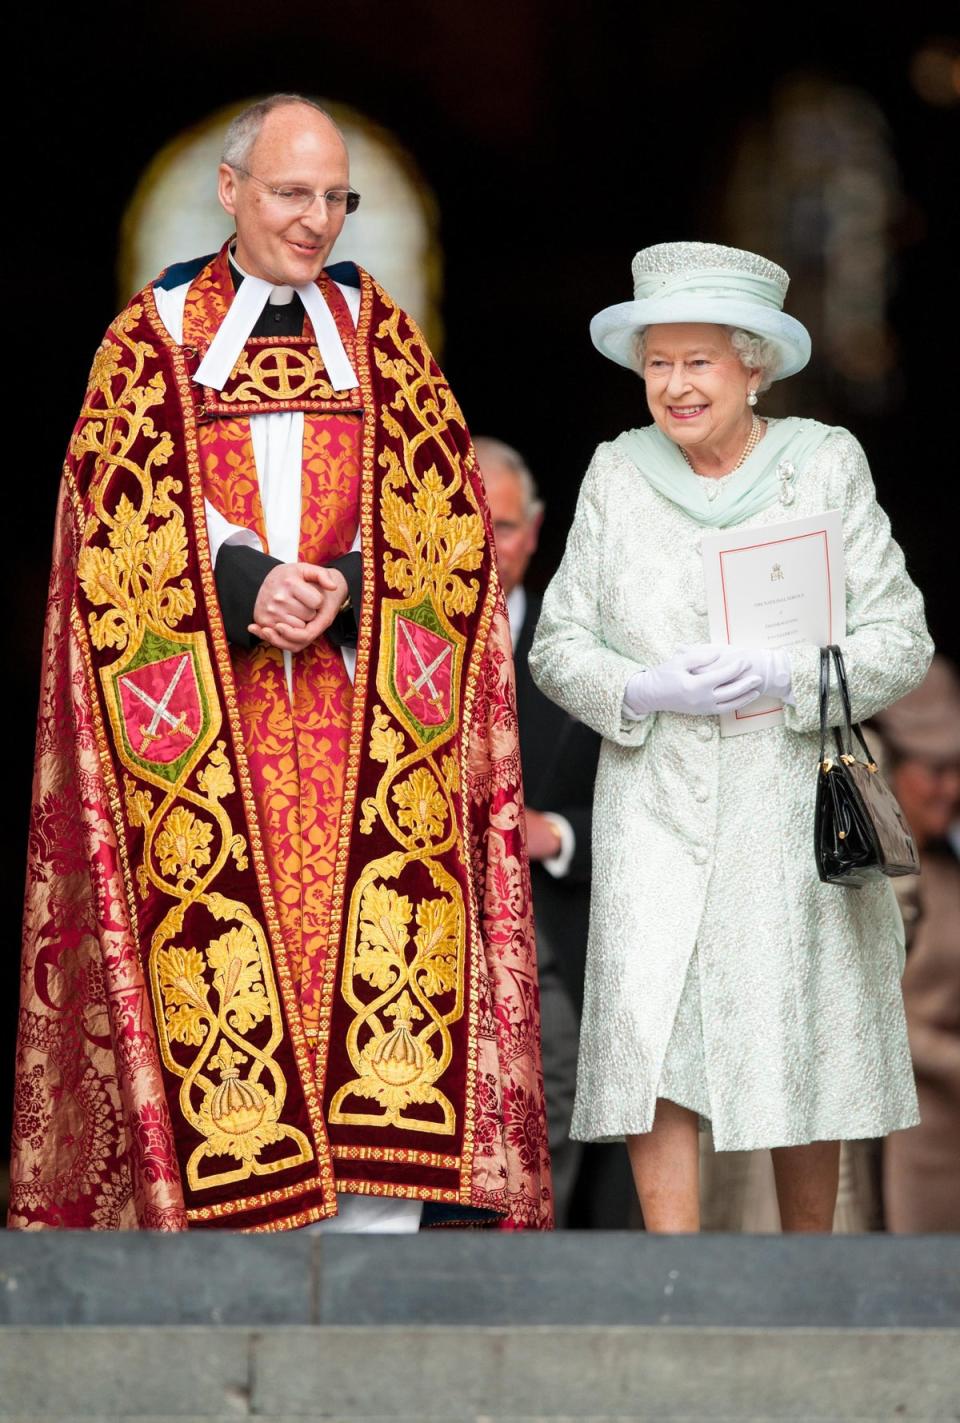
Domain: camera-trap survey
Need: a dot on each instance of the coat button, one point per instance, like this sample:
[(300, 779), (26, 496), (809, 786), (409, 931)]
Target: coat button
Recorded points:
[(700, 609), (699, 855), (701, 794), (704, 732)]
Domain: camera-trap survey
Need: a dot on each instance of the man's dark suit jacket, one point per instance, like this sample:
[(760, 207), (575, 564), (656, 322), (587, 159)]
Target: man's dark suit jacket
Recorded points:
[(559, 758)]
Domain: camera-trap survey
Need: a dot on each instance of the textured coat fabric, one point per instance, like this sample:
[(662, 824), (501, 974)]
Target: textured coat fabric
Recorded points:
[(706, 897)]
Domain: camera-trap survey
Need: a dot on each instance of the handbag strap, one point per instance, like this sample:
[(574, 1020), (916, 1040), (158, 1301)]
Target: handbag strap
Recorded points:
[(853, 727), (824, 698)]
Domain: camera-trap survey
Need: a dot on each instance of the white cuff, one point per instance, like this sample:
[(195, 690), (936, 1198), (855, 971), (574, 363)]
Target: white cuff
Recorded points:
[(559, 864), (783, 676), (220, 531), (627, 710)]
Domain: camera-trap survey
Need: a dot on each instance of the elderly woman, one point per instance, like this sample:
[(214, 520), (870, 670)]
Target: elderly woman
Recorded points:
[(724, 981)]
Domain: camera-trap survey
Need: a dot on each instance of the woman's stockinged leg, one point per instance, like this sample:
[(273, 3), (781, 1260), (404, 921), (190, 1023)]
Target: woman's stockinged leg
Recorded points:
[(807, 1179), (666, 1169)]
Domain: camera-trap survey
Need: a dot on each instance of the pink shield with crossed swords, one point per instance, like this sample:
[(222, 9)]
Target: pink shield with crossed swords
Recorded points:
[(161, 708), (424, 667)]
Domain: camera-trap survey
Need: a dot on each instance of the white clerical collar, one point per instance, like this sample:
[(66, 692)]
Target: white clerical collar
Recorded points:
[(516, 612), (279, 296), (242, 316)]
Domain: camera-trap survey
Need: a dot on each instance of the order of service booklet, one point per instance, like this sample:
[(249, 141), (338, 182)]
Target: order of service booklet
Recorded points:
[(773, 586)]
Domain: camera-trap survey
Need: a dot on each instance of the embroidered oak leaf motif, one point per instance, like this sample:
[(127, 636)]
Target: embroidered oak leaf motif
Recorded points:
[(401, 529), (386, 743), (183, 844), (216, 779), (89, 436), (438, 876), (162, 450), (162, 505), (422, 809), (220, 906), (432, 501), (377, 966), (100, 579), (127, 536), (437, 941), (172, 922), (131, 576), (451, 773), (164, 558), (187, 1008), (392, 864), (456, 595), (165, 554), (384, 916), (127, 320), (238, 849), (174, 604), (238, 978), (139, 802), (106, 363), (435, 543)]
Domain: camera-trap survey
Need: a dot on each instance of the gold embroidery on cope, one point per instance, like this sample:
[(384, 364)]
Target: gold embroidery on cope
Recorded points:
[(279, 373), (161, 699), (410, 950)]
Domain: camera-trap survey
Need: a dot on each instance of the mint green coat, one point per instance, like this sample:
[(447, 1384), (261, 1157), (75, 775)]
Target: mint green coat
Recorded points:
[(710, 932)]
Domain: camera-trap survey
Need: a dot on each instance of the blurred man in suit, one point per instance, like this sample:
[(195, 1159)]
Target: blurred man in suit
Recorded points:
[(559, 757)]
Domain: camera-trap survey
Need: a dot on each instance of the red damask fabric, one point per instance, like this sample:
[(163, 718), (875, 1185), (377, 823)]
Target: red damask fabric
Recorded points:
[(297, 749)]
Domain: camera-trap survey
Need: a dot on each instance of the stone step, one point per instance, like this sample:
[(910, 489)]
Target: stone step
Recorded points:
[(475, 1278), (462, 1375)]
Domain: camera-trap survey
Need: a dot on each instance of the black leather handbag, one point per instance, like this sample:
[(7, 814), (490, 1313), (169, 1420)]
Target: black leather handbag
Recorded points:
[(859, 829)]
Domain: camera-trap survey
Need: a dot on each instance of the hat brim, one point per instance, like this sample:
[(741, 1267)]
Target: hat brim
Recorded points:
[(614, 329)]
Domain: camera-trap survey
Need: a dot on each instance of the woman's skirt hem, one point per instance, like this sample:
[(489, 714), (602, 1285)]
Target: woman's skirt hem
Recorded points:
[(796, 1136)]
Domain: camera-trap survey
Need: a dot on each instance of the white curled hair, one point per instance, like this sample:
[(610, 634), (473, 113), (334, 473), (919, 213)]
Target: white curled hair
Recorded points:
[(755, 352)]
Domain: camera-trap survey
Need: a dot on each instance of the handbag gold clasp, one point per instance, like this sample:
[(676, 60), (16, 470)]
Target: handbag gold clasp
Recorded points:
[(848, 760), (827, 765)]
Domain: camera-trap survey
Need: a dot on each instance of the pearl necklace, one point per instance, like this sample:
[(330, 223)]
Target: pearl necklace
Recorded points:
[(753, 440)]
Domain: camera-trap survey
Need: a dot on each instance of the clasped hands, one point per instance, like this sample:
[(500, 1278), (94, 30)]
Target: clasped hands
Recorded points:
[(296, 603), (708, 679)]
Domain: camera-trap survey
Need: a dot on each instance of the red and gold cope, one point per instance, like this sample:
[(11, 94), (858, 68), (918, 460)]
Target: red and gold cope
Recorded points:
[(278, 941)]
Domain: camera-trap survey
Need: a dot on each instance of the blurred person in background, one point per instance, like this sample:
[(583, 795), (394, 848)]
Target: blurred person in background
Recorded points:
[(559, 757), (724, 981), (278, 958), (921, 745)]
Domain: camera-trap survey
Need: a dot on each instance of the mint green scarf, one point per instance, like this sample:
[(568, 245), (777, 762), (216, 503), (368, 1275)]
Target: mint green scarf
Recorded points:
[(754, 486)]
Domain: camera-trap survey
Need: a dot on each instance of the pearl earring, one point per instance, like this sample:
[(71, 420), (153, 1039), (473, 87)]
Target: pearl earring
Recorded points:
[(752, 398)]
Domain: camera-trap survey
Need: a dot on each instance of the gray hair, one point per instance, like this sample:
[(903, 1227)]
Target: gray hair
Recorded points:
[(244, 130), (491, 452), (755, 352)]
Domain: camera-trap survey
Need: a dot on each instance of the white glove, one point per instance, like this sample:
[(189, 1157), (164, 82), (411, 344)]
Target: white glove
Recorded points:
[(698, 681), (774, 669)]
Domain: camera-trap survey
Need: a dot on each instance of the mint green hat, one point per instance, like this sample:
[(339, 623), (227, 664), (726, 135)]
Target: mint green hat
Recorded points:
[(703, 282)]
